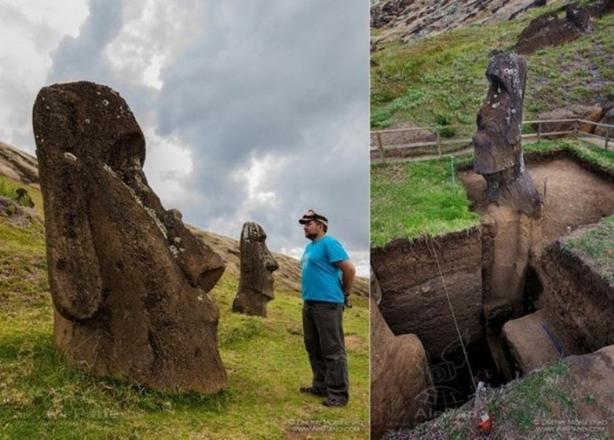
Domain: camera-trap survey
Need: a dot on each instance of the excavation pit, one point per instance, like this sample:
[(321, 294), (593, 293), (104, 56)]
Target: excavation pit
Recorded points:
[(413, 276), (572, 195)]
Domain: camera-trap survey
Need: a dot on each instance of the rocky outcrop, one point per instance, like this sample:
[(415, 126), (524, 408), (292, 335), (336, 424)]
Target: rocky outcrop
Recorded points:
[(408, 273), (257, 267), (18, 165), (129, 282), (399, 378), (411, 19)]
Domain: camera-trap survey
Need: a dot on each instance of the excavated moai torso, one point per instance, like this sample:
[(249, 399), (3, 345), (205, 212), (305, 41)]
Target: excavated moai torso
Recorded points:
[(511, 227), (257, 267), (497, 142), (129, 282)]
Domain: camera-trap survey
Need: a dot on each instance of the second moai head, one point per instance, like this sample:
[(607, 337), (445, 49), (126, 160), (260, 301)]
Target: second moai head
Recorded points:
[(257, 267)]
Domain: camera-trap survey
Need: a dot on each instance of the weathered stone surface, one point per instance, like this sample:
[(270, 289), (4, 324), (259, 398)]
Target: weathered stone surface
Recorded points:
[(412, 288), (535, 341), (552, 29), (257, 267), (497, 142), (129, 282), (399, 378), (414, 19)]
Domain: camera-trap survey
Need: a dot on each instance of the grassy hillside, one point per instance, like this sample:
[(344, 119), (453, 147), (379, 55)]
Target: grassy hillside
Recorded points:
[(416, 198), (597, 244), (442, 78), (42, 397)]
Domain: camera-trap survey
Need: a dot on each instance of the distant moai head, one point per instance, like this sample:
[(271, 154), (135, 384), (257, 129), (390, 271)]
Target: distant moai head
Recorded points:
[(497, 141), (257, 267), (129, 282)]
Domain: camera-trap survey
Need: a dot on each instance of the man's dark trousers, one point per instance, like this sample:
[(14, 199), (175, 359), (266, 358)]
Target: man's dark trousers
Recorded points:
[(323, 333)]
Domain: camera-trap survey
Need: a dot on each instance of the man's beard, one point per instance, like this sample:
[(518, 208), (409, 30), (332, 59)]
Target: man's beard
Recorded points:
[(311, 236)]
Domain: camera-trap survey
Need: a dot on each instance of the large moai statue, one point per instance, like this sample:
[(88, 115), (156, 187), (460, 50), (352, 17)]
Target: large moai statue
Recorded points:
[(129, 282), (511, 229), (497, 142), (257, 267)]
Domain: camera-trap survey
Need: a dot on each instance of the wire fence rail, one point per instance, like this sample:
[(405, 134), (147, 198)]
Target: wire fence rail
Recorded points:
[(441, 140)]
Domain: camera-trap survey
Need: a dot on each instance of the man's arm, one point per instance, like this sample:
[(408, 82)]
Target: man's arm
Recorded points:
[(348, 270)]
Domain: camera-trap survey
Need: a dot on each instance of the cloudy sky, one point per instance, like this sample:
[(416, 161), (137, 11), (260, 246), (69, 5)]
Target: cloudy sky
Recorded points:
[(252, 110)]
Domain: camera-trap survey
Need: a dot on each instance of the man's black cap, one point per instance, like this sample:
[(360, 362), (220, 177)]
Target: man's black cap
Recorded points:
[(312, 215)]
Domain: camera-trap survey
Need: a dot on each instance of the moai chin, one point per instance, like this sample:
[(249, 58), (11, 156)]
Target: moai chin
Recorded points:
[(129, 282), (497, 142), (257, 267)]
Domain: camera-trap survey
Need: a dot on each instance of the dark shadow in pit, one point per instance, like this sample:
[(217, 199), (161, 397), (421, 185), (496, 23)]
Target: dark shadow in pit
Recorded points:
[(532, 291), (452, 379)]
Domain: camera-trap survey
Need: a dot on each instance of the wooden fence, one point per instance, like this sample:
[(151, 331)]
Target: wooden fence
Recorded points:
[(433, 144)]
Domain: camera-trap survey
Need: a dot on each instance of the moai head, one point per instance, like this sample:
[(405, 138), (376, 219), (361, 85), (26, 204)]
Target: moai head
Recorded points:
[(257, 267), (129, 282), (499, 121)]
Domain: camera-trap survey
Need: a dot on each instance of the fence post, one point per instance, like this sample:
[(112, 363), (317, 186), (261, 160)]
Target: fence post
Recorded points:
[(438, 143), (575, 127), (607, 138), (380, 147), (539, 131)]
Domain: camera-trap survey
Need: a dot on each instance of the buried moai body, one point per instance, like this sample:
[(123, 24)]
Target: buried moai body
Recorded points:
[(129, 282), (497, 142), (511, 226), (257, 267)]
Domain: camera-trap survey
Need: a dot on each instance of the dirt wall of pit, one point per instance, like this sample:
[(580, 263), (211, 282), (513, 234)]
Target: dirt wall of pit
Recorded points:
[(411, 287), (577, 296)]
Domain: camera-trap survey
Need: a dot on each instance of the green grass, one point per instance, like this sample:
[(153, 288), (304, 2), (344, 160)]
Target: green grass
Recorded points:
[(43, 397), (8, 189), (444, 75), (416, 198), (515, 408), (598, 243)]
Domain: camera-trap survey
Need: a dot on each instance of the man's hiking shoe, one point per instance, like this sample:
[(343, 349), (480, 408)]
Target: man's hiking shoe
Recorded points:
[(332, 401), (315, 391)]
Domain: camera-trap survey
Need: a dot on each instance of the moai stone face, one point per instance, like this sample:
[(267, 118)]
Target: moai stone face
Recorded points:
[(497, 142), (129, 282), (257, 267)]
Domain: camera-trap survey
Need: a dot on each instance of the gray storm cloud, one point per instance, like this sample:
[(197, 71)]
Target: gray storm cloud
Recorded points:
[(281, 83)]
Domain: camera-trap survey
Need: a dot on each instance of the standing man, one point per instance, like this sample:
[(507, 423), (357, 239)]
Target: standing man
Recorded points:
[(327, 277)]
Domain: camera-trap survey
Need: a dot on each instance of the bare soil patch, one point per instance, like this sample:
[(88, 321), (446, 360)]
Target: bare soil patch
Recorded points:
[(573, 195)]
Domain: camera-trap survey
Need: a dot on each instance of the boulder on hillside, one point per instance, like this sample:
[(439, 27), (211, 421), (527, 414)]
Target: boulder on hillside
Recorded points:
[(608, 118), (399, 378), (129, 282), (586, 112), (554, 28)]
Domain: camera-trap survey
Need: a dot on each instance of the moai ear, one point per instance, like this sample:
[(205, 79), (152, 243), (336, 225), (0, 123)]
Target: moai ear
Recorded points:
[(73, 265)]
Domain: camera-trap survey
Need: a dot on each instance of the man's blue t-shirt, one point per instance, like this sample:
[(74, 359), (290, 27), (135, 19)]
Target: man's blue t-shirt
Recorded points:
[(321, 279)]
